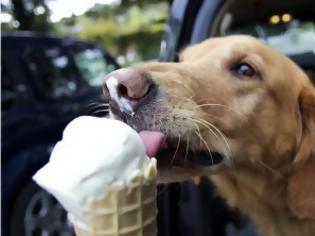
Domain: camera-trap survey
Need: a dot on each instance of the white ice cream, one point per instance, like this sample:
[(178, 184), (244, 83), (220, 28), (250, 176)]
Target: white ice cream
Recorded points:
[(93, 153)]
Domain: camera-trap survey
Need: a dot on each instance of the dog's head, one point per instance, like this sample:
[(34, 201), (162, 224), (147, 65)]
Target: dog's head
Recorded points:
[(228, 102)]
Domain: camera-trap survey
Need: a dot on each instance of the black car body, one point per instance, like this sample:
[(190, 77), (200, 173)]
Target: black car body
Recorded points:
[(46, 82)]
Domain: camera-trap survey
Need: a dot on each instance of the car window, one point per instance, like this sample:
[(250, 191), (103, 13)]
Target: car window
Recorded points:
[(13, 93), (51, 70), (8, 95), (92, 65), (294, 37)]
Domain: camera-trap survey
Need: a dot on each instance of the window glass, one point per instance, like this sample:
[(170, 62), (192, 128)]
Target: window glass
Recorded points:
[(291, 38), (296, 38), (52, 71), (92, 65), (8, 93), (13, 93)]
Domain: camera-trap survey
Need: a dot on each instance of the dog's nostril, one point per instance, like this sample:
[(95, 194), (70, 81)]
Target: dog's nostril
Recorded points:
[(130, 83), (127, 87), (122, 90)]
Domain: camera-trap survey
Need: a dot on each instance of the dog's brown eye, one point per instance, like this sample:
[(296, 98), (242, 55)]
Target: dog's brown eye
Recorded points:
[(244, 70)]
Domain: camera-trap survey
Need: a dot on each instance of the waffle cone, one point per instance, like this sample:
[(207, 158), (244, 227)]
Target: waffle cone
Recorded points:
[(124, 211)]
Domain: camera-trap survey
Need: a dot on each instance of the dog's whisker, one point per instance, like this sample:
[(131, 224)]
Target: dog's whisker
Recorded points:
[(270, 169), (97, 104), (105, 111), (211, 127), (201, 139), (96, 107), (101, 109), (186, 151), (207, 146), (198, 129), (220, 105), (219, 132), (93, 104), (177, 147), (205, 125), (189, 99)]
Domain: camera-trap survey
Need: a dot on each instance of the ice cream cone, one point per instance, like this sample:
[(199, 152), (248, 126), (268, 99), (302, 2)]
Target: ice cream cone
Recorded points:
[(111, 190), (125, 210)]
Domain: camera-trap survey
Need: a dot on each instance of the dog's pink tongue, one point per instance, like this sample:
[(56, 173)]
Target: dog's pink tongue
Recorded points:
[(153, 141)]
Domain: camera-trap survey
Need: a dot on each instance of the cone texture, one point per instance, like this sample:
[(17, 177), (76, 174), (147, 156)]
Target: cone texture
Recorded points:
[(128, 211)]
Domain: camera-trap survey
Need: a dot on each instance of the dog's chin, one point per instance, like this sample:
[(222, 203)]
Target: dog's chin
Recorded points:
[(181, 167), (179, 174)]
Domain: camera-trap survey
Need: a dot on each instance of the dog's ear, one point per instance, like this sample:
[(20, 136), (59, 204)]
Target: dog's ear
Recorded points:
[(301, 186)]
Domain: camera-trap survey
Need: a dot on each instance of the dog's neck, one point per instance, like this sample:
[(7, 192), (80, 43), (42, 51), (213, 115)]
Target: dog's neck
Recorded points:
[(261, 195)]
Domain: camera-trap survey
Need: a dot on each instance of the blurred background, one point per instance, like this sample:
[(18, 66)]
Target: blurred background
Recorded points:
[(54, 57), (121, 26)]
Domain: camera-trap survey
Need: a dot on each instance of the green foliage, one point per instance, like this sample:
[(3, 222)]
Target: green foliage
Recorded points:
[(128, 28), (135, 31), (28, 15)]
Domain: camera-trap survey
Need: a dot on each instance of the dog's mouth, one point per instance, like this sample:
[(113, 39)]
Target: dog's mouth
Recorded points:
[(180, 156), (177, 158), (176, 161)]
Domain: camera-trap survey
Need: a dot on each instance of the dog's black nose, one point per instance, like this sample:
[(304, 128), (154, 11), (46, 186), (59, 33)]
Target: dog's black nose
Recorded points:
[(127, 87)]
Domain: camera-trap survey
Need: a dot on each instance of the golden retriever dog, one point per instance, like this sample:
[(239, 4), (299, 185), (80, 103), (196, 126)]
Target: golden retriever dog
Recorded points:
[(234, 109)]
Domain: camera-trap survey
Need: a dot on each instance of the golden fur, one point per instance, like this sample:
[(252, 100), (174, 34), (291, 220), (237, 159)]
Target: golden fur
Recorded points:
[(263, 125)]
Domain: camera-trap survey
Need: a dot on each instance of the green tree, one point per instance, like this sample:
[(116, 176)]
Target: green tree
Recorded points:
[(130, 29), (29, 14)]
